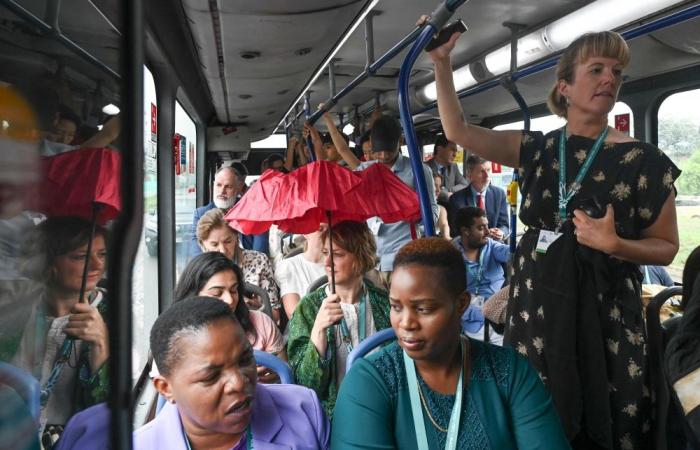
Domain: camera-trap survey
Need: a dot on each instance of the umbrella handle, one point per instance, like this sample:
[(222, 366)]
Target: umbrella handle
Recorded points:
[(330, 249), (96, 207), (414, 234)]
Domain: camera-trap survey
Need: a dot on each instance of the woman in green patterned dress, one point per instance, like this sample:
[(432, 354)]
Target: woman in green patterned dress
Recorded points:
[(325, 327)]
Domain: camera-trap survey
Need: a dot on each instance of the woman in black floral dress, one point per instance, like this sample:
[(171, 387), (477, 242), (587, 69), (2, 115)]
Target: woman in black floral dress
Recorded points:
[(575, 304)]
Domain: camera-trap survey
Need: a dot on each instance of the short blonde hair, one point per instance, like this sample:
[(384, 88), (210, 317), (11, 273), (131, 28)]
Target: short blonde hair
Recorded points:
[(605, 43), (211, 220), (357, 239)]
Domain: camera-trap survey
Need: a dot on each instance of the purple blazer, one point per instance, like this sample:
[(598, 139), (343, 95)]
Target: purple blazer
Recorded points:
[(285, 417)]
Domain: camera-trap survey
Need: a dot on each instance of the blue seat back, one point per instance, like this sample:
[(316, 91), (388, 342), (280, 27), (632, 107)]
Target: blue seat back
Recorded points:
[(26, 386), (263, 359), (368, 345), (276, 364)]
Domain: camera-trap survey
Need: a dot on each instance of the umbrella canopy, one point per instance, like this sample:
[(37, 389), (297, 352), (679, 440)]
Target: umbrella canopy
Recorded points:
[(300, 201), (76, 180)]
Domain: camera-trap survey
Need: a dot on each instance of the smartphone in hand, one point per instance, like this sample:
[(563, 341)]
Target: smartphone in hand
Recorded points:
[(444, 35)]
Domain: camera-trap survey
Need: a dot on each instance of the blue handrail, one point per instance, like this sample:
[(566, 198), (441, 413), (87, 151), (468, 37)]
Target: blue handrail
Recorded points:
[(309, 141), (409, 131)]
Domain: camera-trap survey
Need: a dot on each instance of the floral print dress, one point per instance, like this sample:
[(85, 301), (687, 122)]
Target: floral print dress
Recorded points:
[(636, 179)]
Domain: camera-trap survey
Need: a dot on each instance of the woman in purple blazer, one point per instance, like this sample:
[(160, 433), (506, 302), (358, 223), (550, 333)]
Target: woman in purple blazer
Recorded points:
[(208, 377)]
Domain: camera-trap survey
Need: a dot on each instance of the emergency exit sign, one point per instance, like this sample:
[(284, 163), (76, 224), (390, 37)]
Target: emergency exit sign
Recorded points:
[(622, 123)]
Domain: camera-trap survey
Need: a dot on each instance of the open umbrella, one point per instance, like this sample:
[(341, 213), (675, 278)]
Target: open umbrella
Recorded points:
[(322, 191), (83, 183)]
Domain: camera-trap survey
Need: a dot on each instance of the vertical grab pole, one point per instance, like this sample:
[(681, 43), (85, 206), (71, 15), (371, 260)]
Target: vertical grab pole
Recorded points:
[(307, 112), (437, 20)]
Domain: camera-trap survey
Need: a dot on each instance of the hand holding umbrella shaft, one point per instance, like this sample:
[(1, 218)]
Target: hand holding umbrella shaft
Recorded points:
[(328, 315)]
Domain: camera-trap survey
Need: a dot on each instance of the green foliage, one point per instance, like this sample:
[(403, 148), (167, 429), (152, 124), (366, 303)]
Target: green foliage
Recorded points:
[(679, 138), (689, 181)]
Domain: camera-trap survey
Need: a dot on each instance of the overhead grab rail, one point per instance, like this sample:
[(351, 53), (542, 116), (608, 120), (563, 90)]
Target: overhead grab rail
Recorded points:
[(437, 20), (52, 30), (509, 84), (655, 25)]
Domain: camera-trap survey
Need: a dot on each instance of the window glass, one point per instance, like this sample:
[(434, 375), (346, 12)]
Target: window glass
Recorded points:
[(52, 105), (679, 138), (185, 152), (145, 272)]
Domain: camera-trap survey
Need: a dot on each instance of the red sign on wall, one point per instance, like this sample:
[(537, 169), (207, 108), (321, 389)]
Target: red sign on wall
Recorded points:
[(622, 123), (176, 153), (154, 122), (496, 168)]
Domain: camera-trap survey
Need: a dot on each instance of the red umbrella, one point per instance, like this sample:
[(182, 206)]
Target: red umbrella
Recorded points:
[(322, 191), (77, 182)]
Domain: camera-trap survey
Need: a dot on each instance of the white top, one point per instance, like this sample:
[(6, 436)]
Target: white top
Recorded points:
[(295, 275)]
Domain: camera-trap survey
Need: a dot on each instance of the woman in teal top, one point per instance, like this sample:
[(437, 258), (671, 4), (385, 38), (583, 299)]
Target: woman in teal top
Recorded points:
[(501, 402)]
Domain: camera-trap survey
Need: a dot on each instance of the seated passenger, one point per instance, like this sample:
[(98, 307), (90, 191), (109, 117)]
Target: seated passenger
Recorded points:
[(294, 275), (226, 190), (483, 259), (656, 275), (214, 235), (35, 342), (441, 226), (405, 395), (208, 379), (212, 274), (483, 194), (325, 327), (442, 164)]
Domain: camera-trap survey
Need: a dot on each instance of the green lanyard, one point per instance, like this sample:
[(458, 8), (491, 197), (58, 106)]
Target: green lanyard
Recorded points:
[(417, 412), (248, 439), (565, 197), (362, 319)]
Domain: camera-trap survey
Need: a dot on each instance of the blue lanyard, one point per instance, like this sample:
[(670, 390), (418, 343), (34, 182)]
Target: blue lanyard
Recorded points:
[(362, 319), (417, 412), (480, 271), (248, 439), (564, 196)]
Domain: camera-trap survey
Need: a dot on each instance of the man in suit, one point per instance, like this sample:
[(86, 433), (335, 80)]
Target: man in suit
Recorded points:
[(482, 194), (226, 188), (443, 164)]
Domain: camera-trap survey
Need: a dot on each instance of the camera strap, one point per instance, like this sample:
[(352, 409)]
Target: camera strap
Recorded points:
[(564, 196)]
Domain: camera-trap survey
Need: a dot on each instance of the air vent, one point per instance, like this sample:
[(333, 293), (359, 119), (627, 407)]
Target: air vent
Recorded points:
[(243, 116), (303, 51), (244, 96), (250, 54), (282, 92), (270, 113)]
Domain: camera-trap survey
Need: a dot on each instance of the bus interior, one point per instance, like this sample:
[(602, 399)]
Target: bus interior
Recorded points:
[(180, 88)]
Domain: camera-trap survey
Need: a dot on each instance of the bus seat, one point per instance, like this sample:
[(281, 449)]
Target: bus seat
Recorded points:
[(368, 345), (262, 358), (250, 288), (280, 367), (294, 252), (26, 386), (657, 345)]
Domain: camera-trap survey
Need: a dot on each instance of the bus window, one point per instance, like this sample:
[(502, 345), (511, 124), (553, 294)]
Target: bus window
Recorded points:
[(58, 137), (679, 138), (145, 271), (184, 148)]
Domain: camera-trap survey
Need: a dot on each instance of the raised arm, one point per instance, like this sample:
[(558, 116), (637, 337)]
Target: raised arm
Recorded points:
[(339, 142), (499, 146), (289, 157), (309, 130), (108, 134)]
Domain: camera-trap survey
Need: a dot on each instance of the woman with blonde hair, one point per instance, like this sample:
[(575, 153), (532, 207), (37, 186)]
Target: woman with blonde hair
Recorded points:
[(597, 204), (326, 326)]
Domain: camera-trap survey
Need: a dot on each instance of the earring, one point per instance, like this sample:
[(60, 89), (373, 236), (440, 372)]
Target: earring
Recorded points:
[(567, 101)]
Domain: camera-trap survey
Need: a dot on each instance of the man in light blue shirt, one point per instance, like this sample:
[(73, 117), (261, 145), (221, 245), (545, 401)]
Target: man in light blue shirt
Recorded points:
[(384, 138), (483, 260)]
